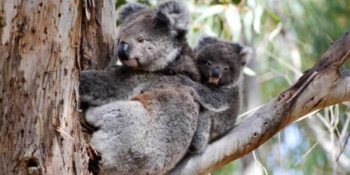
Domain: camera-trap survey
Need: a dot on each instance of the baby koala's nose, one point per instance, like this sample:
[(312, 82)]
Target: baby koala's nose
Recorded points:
[(123, 51), (216, 72)]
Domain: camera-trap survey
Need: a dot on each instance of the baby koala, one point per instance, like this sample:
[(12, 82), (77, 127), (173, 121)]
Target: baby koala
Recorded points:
[(220, 64)]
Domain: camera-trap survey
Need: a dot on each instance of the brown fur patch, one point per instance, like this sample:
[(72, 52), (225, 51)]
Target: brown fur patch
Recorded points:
[(144, 99)]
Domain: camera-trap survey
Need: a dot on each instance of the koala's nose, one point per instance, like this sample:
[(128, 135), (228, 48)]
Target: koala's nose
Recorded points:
[(216, 72), (123, 50)]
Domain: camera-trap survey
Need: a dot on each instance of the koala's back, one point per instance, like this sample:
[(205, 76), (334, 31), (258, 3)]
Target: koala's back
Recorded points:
[(99, 87), (147, 135)]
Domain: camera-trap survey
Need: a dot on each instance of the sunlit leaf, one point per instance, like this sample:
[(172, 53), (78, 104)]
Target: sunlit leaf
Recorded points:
[(248, 23), (251, 3), (249, 71), (275, 32), (233, 20), (210, 11), (258, 12)]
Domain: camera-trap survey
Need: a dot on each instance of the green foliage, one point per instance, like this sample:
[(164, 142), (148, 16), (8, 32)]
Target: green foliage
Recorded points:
[(228, 169)]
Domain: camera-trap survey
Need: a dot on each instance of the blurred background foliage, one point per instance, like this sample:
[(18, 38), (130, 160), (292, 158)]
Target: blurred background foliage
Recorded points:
[(288, 37)]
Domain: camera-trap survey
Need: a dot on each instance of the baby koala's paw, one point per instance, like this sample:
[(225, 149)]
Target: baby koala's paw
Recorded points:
[(197, 148)]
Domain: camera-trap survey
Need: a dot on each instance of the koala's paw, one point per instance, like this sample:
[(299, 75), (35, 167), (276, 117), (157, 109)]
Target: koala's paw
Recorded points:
[(103, 115), (199, 144), (92, 116)]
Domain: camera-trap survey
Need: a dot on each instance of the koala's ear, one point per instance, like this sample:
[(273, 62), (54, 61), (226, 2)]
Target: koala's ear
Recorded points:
[(128, 9), (205, 41), (175, 14), (246, 54)]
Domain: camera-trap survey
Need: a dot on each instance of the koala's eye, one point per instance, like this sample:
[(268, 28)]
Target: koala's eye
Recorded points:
[(140, 39), (209, 63), (227, 68)]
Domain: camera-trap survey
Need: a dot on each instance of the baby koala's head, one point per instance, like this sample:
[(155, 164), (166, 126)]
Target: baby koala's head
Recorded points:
[(220, 62)]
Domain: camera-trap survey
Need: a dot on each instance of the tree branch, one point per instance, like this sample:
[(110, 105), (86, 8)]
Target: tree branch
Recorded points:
[(319, 87)]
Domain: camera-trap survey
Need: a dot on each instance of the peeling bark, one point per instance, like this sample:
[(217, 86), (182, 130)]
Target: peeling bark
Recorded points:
[(98, 34), (41, 57)]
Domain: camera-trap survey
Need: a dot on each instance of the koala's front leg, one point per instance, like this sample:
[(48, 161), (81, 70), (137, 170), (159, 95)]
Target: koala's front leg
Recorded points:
[(212, 99), (201, 136), (96, 87)]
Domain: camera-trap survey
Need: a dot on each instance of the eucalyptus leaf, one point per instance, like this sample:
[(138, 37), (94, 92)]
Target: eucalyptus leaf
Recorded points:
[(233, 20)]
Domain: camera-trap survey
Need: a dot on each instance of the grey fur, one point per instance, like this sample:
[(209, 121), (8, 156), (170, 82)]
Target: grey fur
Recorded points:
[(103, 87), (147, 135), (156, 39), (125, 140), (205, 41), (175, 14), (220, 104), (98, 87), (128, 10)]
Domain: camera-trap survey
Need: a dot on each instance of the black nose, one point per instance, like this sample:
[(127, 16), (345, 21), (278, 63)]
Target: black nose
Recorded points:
[(123, 51), (216, 72)]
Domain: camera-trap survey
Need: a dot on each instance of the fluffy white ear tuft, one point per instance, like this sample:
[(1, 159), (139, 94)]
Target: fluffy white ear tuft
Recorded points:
[(246, 55), (175, 14)]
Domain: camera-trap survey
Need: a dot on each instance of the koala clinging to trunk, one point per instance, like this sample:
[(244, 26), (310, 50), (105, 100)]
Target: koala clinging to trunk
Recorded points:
[(128, 143), (154, 40), (221, 64)]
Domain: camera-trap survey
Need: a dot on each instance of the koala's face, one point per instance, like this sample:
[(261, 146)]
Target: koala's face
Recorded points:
[(149, 39), (220, 62)]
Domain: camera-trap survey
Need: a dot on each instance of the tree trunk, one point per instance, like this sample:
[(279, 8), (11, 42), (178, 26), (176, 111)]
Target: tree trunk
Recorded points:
[(44, 45)]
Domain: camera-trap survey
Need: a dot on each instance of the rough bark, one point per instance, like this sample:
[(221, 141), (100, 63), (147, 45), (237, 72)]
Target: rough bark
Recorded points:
[(98, 34), (319, 87), (42, 43)]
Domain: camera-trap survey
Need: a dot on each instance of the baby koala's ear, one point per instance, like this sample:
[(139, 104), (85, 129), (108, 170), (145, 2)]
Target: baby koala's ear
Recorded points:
[(128, 9), (246, 54), (205, 41), (174, 14)]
